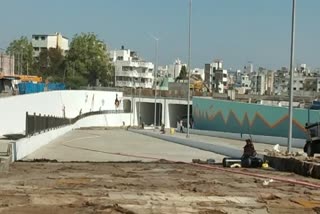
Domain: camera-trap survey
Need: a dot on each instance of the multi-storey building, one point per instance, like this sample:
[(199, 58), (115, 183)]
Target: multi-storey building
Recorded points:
[(130, 70), (6, 65), (45, 42), (175, 68), (262, 82), (216, 77)]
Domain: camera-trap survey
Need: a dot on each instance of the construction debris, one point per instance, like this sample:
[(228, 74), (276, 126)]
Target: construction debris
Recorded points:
[(266, 182), (208, 161)]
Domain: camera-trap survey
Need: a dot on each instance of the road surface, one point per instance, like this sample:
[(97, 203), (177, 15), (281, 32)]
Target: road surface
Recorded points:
[(104, 146)]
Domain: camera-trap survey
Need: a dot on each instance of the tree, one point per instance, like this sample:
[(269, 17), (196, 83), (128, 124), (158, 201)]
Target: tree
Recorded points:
[(88, 62), (51, 64), (22, 50), (182, 74)]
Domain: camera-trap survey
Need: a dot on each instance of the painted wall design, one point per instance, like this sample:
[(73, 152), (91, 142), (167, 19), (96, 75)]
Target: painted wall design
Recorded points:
[(245, 118)]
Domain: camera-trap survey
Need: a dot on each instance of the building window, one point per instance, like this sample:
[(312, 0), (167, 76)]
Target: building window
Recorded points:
[(301, 81), (120, 58), (36, 37), (300, 89), (126, 68), (43, 37), (36, 49), (294, 89)]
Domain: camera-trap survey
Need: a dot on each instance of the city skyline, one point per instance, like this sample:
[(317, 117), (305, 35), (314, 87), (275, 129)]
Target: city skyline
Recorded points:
[(235, 32)]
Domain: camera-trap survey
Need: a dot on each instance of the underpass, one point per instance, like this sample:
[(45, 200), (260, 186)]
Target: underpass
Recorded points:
[(137, 180), (146, 112), (168, 110)]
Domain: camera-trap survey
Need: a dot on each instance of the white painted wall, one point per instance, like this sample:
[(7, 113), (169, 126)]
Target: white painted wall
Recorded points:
[(51, 41), (26, 146), (13, 109), (64, 45), (104, 120)]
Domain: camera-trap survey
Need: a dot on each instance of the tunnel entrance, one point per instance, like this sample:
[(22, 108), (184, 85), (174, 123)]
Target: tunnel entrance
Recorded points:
[(127, 106), (147, 113), (178, 112)]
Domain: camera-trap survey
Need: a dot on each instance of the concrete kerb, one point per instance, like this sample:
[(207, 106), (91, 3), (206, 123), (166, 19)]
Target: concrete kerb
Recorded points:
[(282, 141), (227, 151)]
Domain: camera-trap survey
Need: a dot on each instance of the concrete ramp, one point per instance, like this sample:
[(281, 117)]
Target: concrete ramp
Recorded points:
[(222, 150)]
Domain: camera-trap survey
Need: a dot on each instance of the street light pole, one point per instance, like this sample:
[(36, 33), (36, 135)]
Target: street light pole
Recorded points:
[(134, 106), (291, 74), (155, 84), (140, 103), (189, 69), (131, 115)]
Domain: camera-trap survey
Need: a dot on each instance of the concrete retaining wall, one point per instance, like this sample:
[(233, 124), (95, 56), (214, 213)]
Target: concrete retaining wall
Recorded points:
[(104, 120), (245, 118), (26, 146), (13, 109)]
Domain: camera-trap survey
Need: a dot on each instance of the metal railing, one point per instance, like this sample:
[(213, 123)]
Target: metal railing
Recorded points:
[(41, 123)]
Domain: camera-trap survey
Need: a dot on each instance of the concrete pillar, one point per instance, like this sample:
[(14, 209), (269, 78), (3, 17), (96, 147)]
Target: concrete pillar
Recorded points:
[(167, 118)]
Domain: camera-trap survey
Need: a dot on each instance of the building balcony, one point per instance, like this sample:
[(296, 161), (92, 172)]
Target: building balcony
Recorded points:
[(131, 84), (134, 74)]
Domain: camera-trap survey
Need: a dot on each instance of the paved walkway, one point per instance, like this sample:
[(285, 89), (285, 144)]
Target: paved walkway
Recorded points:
[(100, 145)]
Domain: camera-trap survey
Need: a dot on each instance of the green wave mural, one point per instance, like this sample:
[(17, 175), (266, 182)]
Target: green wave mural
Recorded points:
[(255, 119)]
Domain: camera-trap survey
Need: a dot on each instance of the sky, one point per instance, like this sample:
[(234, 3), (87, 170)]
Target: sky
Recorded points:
[(236, 31)]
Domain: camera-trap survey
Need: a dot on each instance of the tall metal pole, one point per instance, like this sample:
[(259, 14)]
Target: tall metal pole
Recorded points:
[(189, 69), (134, 106), (291, 74), (155, 85), (131, 115), (160, 109), (140, 122)]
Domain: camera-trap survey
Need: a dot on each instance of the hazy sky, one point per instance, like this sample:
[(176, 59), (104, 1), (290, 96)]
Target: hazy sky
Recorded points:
[(236, 31)]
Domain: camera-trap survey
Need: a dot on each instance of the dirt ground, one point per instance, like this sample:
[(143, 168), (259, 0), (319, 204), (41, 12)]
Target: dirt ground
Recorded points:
[(159, 187)]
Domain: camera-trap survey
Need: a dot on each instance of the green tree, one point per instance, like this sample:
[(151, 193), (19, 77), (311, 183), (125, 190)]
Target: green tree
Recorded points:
[(182, 74), (88, 62), (51, 65), (22, 50)]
